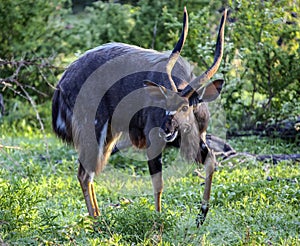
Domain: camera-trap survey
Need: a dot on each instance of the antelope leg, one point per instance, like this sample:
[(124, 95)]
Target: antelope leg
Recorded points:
[(209, 171), (87, 186), (157, 183), (155, 168)]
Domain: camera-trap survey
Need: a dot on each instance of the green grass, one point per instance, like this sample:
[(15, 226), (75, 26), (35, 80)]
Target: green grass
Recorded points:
[(41, 201)]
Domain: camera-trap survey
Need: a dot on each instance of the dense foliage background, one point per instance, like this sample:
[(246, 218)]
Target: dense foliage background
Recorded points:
[(39, 39)]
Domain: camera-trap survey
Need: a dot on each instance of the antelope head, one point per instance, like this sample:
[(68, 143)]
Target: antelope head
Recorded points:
[(179, 105)]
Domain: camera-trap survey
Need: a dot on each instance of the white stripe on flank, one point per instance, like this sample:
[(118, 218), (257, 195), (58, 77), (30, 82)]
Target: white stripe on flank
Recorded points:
[(102, 140), (60, 123)]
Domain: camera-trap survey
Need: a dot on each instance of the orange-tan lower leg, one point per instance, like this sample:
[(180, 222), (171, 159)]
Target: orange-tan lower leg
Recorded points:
[(157, 183), (93, 199), (87, 186)]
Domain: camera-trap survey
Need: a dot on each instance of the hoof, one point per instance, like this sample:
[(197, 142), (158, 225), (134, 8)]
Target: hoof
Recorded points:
[(201, 216)]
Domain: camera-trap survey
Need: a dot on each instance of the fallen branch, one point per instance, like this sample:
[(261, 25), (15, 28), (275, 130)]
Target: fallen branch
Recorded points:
[(15, 84), (278, 157), (286, 129), (224, 150)]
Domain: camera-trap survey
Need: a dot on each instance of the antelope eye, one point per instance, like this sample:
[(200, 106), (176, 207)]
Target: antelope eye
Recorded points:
[(185, 108)]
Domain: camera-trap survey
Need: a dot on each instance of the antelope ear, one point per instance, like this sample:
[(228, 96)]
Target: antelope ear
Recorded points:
[(208, 93), (157, 92), (213, 90)]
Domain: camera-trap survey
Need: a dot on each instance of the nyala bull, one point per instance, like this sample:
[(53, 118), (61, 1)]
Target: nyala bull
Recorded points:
[(161, 92)]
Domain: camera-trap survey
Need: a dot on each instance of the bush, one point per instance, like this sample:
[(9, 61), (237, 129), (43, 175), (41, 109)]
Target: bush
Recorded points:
[(262, 82), (260, 62), (30, 36), (30, 28)]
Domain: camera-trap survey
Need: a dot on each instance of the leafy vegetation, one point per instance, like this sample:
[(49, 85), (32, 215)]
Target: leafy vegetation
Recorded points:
[(260, 64), (262, 81), (41, 200), (252, 202)]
